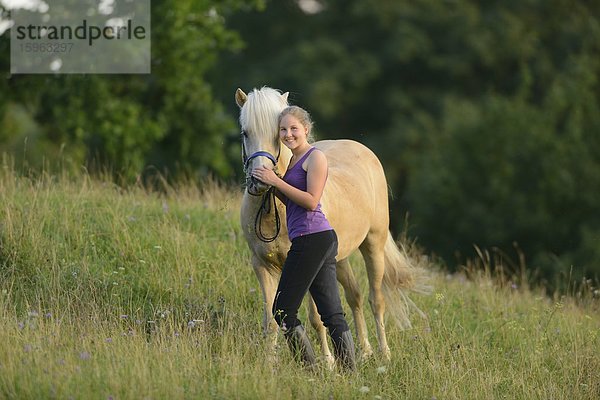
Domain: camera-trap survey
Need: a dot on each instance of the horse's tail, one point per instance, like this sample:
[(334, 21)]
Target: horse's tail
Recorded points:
[(402, 276)]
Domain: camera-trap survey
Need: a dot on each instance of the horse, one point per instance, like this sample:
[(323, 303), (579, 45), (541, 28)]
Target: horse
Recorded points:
[(355, 201)]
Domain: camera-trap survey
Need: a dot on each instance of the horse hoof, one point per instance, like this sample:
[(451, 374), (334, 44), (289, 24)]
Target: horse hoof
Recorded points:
[(366, 354), (329, 361), (387, 354)]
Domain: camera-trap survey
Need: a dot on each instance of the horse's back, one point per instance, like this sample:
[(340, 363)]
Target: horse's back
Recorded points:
[(355, 198)]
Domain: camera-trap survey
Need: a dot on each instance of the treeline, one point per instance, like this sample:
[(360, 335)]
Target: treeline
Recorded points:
[(169, 120), (485, 114)]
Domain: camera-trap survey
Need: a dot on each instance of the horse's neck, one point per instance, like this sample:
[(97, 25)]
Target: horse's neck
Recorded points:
[(285, 156)]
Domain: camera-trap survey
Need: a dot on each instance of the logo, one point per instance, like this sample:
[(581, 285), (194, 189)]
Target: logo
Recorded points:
[(80, 36)]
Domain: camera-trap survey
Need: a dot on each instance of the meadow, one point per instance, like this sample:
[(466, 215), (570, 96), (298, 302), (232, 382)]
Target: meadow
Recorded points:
[(113, 293)]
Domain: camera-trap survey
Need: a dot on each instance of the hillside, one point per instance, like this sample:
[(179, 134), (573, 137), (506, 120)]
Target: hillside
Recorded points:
[(108, 293)]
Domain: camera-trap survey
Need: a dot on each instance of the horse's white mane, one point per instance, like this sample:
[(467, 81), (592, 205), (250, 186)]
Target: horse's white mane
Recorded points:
[(259, 114)]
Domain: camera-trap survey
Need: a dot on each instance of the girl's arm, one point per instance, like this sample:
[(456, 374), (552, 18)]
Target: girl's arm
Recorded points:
[(281, 196), (316, 176)]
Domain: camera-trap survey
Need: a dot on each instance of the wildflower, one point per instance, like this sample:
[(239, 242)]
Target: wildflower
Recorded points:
[(559, 304), (21, 326), (48, 315), (364, 389), (381, 370), (191, 324), (84, 355), (157, 247), (124, 316), (514, 286), (108, 340), (439, 297), (27, 348)]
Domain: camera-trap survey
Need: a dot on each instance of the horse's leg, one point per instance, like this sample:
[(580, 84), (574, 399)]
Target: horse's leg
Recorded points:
[(352, 293), (317, 324), (268, 285), (372, 250)]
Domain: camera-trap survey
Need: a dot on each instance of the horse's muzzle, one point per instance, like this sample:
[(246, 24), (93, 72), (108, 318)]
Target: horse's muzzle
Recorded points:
[(255, 186)]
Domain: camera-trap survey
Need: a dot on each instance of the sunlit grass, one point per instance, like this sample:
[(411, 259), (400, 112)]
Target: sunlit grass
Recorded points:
[(129, 294)]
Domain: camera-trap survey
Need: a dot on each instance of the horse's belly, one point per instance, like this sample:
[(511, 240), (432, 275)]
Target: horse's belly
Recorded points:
[(355, 199)]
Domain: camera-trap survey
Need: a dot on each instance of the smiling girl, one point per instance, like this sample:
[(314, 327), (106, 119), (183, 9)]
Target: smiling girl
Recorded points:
[(310, 264)]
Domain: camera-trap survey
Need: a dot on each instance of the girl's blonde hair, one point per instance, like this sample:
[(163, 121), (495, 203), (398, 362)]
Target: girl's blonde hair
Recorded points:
[(301, 115)]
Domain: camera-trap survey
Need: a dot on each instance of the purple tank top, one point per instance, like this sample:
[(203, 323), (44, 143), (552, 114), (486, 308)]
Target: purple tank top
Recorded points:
[(301, 221)]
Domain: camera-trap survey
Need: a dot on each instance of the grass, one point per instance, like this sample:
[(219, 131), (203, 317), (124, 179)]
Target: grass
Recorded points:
[(108, 293)]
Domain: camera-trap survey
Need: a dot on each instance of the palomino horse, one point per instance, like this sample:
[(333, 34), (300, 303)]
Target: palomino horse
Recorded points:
[(355, 201)]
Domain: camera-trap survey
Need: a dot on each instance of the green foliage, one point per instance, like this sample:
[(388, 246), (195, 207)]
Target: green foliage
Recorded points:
[(521, 167), (168, 119), (484, 114), (500, 173)]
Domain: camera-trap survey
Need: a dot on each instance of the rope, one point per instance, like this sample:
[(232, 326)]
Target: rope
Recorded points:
[(265, 208)]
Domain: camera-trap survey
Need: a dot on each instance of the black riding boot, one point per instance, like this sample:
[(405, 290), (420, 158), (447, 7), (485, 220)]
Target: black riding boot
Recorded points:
[(343, 346), (300, 346)]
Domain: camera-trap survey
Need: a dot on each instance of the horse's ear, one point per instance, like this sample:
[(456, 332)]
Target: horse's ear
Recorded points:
[(240, 97), (285, 96)]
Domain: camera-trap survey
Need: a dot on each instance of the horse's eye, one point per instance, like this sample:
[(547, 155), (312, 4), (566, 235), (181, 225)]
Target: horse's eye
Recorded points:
[(244, 134)]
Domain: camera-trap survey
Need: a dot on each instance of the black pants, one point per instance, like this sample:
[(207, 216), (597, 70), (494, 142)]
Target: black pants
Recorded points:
[(310, 265)]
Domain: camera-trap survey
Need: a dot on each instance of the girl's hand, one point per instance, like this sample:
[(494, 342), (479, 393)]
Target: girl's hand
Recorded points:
[(265, 175)]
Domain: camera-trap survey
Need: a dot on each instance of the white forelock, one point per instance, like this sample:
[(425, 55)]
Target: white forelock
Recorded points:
[(259, 114)]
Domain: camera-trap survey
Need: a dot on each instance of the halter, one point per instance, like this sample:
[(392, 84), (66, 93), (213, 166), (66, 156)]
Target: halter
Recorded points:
[(259, 153), (265, 206)]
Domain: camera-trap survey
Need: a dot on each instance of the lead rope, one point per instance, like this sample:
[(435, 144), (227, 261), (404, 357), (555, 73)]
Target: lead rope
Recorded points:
[(265, 207)]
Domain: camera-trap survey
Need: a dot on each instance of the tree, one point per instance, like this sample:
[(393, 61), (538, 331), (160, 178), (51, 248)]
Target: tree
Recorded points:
[(168, 119), (484, 114)]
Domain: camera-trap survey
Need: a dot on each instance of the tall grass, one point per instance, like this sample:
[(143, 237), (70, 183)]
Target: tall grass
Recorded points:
[(119, 293)]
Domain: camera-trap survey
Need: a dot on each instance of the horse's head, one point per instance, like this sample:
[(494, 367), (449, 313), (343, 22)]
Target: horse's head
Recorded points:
[(259, 111)]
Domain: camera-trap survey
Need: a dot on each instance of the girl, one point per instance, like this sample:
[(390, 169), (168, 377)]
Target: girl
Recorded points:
[(310, 264)]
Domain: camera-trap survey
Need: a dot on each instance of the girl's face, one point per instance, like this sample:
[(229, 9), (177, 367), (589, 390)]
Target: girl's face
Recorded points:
[(292, 133)]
